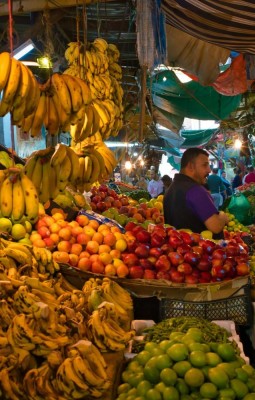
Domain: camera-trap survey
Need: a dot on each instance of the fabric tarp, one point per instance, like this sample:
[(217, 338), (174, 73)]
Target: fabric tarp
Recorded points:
[(190, 99), (225, 23), (194, 55), (194, 138)]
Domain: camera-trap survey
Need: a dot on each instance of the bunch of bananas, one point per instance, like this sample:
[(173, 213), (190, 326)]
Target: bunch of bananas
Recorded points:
[(18, 196), (91, 169), (105, 330), (51, 170), (20, 89), (98, 65), (45, 262)]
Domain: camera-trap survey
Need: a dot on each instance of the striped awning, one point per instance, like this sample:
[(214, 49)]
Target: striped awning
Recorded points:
[(226, 23)]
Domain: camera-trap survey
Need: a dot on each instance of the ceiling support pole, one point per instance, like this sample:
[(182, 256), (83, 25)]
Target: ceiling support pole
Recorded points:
[(142, 102)]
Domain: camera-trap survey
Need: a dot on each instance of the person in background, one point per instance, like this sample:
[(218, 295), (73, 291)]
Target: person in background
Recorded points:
[(187, 204), (216, 187), (237, 181), (142, 183), (166, 182), (227, 184), (155, 185), (250, 177)]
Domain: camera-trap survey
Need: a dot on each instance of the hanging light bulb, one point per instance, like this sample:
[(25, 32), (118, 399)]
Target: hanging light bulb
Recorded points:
[(237, 144), (142, 162), (128, 165)]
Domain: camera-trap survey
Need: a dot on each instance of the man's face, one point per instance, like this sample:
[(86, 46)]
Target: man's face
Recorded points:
[(199, 169)]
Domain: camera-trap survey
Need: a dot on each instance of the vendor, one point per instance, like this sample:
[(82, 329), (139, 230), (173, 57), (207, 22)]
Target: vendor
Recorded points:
[(187, 204)]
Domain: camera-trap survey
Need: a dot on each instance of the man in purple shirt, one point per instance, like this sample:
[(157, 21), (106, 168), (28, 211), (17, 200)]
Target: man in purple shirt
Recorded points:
[(187, 204)]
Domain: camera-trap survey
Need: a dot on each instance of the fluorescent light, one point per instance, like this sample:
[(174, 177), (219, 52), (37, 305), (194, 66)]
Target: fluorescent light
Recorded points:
[(22, 50), (30, 63)]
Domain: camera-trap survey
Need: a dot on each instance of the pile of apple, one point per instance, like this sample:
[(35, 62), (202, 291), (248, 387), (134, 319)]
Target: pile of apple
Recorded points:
[(164, 253), (102, 198)]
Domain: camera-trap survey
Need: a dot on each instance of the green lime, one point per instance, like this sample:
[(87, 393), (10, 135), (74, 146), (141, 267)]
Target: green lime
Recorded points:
[(153, 394), (126, 375), (160, 387), (198, 347), (206, 370), (218, 377), (227, 393), (143, 357), (122, 396), (194, 377), (196, 333), (140, 398), (195, 395), (213, 359), (143, 387), (131, 397), (249, 396), (208, 390), (185, 397), (181, 367), (213, 346), (152, 362), (251, 384), (171, 393), (178, 352), (188, 339), (123, 388), (157, 351), (182, 386), (198, 358), (241, 360), (151, 374), (165, 344), (135, 379), (176, 335), (168, 376), (134, 366), (163, 361), (226, 351), (229, 369), (242, 375), (132, 392), (150, 346), (239, 387), (249, 369)]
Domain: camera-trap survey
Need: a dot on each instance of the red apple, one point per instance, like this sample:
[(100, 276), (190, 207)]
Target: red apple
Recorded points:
[(166, 248), (101, 206), (207, 245), (157, 240), (232, 251), (103, 188), (185, 268), (159, 229), (220, 254), (96, 199), (44, 231), (216, 262), (132, 245), (186, 237), (137, 229), (130, 226), (232, 272), (176, 276), (175, 258), (183, 248), (206, 276), (130, 259), (175, 240), (218, 272), (149, 274), (146, 263), (143, 236), (152, 259), (163, 275), (204, 265), (155, 251), (136, 272), (242, 269), (191, 258), (198, 249), (191, 279), (142, 251), (195, 237), (163, 263)]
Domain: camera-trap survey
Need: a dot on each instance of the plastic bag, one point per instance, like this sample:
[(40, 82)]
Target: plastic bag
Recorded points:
[(240, 207)]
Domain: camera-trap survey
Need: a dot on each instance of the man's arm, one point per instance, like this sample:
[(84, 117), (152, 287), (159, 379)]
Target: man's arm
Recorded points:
[(216, 222)]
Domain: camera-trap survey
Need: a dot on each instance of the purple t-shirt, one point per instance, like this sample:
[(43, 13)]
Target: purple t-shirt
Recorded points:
[(200, 202)]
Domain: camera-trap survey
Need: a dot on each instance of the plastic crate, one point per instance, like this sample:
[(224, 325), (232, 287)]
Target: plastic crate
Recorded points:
[(237, 308)]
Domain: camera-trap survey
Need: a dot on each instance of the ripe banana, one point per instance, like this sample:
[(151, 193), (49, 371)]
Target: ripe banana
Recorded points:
[(44, 194), (6, 197), (31, 198), (53, 117), (88, 165), (36, 177), (95, 168), (59, 155), (12, 82), (74, 159), (18, 201), (39, 116), (5, 67), (63, 92), (75, 92)]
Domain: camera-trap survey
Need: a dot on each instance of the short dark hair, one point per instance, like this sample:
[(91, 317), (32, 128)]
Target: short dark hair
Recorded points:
[(251, 168), (191, 154), (215, 170), (166, 178)]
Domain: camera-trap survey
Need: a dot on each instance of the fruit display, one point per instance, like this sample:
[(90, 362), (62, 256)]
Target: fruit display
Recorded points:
[(98, 65), (20, 91), (184, 366), (18, 196), (234, 225), (45, 324)]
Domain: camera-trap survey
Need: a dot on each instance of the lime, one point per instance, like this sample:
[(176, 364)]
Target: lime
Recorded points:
[(206, 370), (226, 351), (160, 387), (218, 377), (131, 397), (149, 346), (227, 393), (168, 376), (194, 377), (187, 339), (126, 375), (143, 357), (122, 396), (249, 369), (199, 347), (198, 358), (241, 360), (249, 396), (135, 379), (152, 362), (171, 393), (213, 346), (208, 390), (213, 359), (134, 366), (157, 351), (143, 387), (181, 367), (163, 361), (185, 397), (176, 335), (153, 394), (229, 369), (242, 375), (178, 352), (196, 333), (123, 388), (151, 374), (165, 344), (239, 387), (182, 386), (140, 398), (132, 392), (251, 384)]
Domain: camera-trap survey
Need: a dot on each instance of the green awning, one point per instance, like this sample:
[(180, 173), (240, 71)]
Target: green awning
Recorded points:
[(198, 137)]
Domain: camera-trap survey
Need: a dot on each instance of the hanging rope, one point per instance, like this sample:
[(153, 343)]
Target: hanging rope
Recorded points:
[(78, 35), (11, 51), (85, 33)]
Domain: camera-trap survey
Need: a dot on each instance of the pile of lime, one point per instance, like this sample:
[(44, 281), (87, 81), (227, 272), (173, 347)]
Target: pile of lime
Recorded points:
[(184, 368)]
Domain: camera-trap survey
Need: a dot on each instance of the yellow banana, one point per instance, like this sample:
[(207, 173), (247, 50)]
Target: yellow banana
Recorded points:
[(33, 97), (75, 92), (30, 165), (89, 62), (62, 115), (95, 168), (44, 194), (18, 201), (72, 375), (20, 256), (81, 169), (53, 118), (85, 91), (36, 177), (26, 123), (103, 113), (59, 155), (12, 82), (88, 123), (23, 88), (74, 159), (88, 168), (101, 162), (63, 92), (31, 198), (6, 197), (54, 190), (5, 67), (65, 170), (20, 247), (39, 116), (96, 121), (84, 371)]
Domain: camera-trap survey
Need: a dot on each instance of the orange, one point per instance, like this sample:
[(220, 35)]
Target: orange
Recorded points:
[(98, 237), (110, 270), (104, 248), (109, 239), (103, 227), (106, 258), (94, 224), (92, 247)]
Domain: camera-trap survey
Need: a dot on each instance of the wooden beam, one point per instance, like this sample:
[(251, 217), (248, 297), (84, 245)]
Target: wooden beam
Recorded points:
[(39, 5)]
